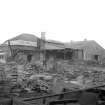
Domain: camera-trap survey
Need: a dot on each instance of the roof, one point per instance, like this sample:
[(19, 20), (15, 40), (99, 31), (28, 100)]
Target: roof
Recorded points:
[(31, 40), (53, 45), (54, 41), (88, 45), (23, 39)]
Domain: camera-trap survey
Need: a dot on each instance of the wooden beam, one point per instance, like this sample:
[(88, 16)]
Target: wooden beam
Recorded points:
[(9, 44), (63, 102)]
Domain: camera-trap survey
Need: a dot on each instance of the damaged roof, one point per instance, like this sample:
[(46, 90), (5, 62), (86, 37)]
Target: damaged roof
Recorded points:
[(32, 40), (23, 39)]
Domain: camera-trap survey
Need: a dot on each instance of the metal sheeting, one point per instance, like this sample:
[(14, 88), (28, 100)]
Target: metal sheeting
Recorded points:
[(23, 43)]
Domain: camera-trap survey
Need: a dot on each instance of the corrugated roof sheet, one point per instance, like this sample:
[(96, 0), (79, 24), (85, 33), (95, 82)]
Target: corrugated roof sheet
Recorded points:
[(22, 42), (51, 45)]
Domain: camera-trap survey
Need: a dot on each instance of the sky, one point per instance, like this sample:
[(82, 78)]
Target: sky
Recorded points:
[(62, 20)]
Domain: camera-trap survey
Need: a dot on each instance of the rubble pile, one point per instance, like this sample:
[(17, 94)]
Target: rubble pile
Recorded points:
[(11, 72), (98, 77), (91, 75), (81, 72), (4, 82), (19, 75)]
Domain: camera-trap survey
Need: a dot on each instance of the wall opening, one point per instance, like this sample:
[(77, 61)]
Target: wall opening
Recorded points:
[(29, 58), (96, 57)]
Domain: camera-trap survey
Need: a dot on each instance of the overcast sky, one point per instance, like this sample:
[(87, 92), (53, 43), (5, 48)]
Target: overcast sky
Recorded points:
[(62, 20)]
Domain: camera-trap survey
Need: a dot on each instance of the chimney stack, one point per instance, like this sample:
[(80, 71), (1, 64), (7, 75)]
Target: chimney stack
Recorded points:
[(43, 35), (42, 44)]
